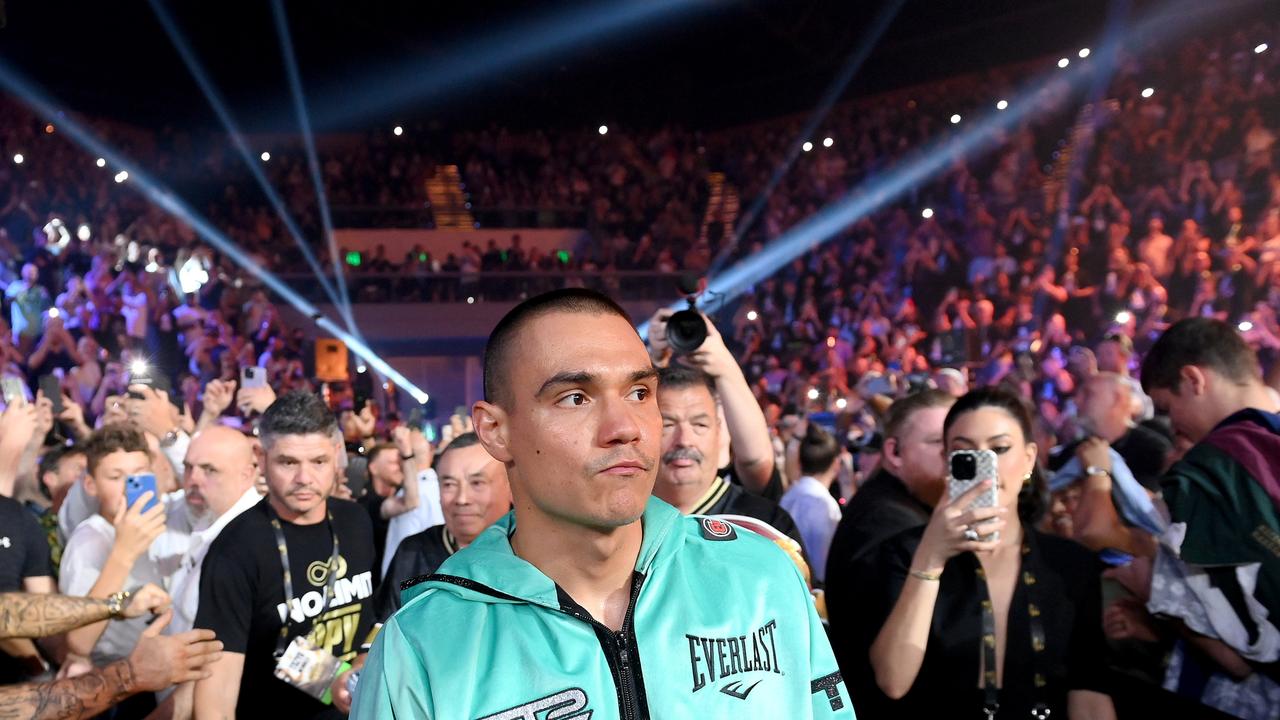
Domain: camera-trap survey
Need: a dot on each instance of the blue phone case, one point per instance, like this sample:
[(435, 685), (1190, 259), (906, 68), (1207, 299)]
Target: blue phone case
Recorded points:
[(136, 485)]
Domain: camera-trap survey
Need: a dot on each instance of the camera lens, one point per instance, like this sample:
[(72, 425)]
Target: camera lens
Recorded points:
[(964, 466), (686, 331)]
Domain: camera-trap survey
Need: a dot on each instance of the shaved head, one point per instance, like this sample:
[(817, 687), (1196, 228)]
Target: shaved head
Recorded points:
[(503, 339), (218, 469)]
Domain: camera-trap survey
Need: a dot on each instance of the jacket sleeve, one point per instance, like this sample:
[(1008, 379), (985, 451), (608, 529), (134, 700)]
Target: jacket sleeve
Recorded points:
[(827, 690), (393, 683)]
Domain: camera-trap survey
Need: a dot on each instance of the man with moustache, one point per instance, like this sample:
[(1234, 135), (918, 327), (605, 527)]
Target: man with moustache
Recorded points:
[(591, 596), (691, 437)]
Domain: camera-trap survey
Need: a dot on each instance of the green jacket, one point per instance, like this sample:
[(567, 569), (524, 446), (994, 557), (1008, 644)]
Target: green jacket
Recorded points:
[(720, 625)]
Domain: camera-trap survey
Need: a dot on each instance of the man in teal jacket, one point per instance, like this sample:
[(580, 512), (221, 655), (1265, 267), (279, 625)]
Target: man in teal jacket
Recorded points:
[(593, 600)]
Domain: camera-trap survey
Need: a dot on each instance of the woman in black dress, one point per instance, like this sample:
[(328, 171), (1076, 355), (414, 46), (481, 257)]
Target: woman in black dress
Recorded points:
[(1007, 628)]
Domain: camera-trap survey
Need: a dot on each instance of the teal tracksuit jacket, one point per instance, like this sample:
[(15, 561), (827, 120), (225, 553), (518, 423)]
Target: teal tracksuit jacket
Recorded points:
[(720, 625)]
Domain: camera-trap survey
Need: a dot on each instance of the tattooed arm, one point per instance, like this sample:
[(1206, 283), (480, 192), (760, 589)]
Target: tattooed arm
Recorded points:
[(78, 697), (157, 662), (24, 615)]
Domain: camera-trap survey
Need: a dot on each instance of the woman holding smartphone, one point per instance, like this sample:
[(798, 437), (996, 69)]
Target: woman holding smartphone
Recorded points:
[(987, 617)]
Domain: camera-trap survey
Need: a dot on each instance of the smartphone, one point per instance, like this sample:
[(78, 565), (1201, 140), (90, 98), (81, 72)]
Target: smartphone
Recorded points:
[(136, 485), (253, 377), (52, 389), (966, 468), (14, 392)]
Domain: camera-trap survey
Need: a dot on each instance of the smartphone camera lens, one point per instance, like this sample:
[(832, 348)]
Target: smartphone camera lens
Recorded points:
[(964, 466)]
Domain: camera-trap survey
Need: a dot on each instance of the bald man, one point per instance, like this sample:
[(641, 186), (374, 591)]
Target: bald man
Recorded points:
[(1104, 403), (218, 476)]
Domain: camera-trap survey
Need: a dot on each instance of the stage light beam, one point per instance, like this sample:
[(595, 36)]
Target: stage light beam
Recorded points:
[(313, 161), (26, 92), (219, 107)]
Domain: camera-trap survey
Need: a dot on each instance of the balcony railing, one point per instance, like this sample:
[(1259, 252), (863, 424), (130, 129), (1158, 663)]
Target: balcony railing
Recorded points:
[(411, 285)]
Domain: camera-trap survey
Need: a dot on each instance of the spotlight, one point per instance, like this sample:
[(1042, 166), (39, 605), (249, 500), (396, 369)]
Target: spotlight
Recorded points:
[(266, 156), (828, 142), (1245, 326), (1124, 316), (101, 162), (82, 232), (362, 369), (813, 393), (122, 176), (471, 300), (1148, 92), (831, 342), (604, 130), (1064, 62), (1084, 53), (955, 119), (1260, 48), (841, 403), (397, 131), (48, 129), (1002, 104), (17, 159), (926, 213), (54, 312), (752, 315), (807, 146)]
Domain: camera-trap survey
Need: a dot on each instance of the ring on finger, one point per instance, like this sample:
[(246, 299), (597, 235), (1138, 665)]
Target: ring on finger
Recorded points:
[(971, 535)]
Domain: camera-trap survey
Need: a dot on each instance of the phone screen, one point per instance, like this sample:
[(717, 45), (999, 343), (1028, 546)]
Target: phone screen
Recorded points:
[(136, 485)]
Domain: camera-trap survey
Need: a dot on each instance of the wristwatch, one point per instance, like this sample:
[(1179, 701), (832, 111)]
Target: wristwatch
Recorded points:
[(116, 603), (1095, 470)]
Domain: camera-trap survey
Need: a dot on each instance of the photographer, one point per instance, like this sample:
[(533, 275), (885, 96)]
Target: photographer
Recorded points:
[(752, 448)]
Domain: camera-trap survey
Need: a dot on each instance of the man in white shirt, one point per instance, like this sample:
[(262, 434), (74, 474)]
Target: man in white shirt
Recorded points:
[(217, 481), (427, 513), (809, 499)]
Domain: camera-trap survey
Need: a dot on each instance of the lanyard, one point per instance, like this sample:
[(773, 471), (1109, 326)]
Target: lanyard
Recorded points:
[(991, 693), (283, 547)]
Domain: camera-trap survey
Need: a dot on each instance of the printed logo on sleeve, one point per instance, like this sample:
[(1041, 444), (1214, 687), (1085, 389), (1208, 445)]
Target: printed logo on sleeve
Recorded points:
[(566, 704), (713, 529)]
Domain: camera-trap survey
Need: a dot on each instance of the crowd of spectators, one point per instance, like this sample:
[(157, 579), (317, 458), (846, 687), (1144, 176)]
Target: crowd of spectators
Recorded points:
[(1049, 275)]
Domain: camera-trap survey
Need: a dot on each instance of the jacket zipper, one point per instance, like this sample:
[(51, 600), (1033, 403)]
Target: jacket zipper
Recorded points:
[(618, 650), (617, 646)]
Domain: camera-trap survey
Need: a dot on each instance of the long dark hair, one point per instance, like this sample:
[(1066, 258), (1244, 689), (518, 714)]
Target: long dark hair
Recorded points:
[(1032, 500)]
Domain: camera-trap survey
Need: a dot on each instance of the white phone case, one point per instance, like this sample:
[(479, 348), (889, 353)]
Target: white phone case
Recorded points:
[(985, 462)]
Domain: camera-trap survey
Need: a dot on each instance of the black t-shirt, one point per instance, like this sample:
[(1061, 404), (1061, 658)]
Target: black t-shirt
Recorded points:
[(242, 599), (772, 490), (419, 554), (881, 509), (24, 553), (1144, 450), (1068, 594)]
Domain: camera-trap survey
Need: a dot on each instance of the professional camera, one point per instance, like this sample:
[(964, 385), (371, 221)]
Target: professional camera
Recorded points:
[(686, 329)]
